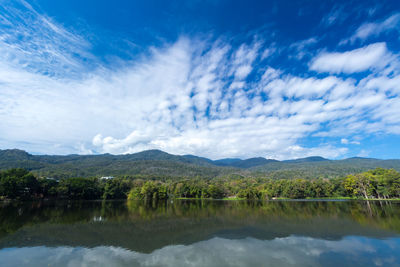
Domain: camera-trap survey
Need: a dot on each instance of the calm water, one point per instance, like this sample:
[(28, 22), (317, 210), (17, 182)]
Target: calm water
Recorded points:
[(200, 233)]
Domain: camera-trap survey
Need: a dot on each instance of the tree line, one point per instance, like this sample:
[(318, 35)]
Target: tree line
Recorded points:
[(374, 184)]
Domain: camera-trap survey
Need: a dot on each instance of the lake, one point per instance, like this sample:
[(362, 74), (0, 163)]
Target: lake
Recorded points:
[(200, 233)]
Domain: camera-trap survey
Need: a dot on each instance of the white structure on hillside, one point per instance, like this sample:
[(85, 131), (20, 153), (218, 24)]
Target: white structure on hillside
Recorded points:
[(107, 177)]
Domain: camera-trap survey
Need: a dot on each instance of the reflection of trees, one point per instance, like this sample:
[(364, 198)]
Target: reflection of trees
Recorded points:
[(380, 215), (376, 214), (14, 215)]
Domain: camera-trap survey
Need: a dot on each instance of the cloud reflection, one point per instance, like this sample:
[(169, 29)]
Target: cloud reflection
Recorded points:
[(289, 251)]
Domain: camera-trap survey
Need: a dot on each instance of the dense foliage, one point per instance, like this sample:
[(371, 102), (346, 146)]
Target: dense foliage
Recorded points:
[(374, 184), (18, 183)]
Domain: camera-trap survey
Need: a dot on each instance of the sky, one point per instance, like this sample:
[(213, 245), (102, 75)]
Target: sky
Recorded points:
[(223, 78)]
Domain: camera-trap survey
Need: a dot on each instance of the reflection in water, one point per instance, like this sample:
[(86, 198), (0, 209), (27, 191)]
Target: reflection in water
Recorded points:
[(288, 251), (200, 233)]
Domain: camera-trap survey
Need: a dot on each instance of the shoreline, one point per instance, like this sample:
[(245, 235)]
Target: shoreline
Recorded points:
[(211, 199)]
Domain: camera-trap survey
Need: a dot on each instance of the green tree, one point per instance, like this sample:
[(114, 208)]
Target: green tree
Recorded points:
[(215, 191), (80, 188), (18, 183), (116, 188)]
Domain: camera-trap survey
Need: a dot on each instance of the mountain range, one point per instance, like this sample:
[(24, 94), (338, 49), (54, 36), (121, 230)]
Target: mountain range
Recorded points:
[(156, 163)]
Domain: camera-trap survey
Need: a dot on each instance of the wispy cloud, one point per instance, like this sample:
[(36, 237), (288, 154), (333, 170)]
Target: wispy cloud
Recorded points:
[(35, 43), (336, 16), (345, 141), (372, 29), (301, 48)]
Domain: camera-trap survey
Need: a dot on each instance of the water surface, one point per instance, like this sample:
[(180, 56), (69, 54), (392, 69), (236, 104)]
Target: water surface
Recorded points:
[(200, 233)]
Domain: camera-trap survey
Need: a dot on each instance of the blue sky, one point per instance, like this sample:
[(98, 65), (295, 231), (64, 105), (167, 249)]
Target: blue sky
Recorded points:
[(278, 79)]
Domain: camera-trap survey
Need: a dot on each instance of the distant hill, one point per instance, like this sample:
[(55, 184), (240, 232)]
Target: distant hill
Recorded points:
[(323, 168), (159, 164), (14, 154), (226, 162), (252, 162), (308, 159)]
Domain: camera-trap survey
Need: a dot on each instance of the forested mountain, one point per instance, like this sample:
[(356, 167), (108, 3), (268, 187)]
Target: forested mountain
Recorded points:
[(244, 164), (308, 159), (156, 163)]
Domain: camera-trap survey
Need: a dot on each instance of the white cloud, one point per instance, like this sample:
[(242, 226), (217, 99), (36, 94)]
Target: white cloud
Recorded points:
[(346, 141), (357, 60), (242, 71)]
